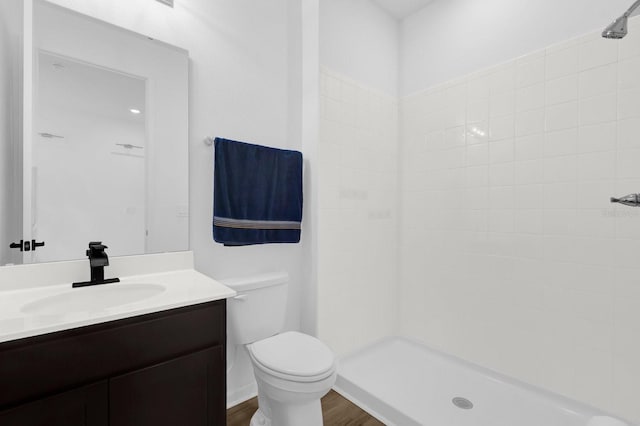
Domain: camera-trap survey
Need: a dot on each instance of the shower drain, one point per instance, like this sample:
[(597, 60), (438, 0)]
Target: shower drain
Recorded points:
[(462, 403)]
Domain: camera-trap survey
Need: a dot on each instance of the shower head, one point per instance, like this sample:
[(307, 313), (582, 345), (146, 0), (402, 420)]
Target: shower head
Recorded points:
[(618, 28)]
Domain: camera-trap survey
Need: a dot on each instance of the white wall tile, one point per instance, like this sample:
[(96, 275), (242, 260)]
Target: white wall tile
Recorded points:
[(560, 169), (477, 132), (549, 138), (529, 147), (628, 103), (528, 172), (477, 154), (562, 116), (599, 109), (502, 103), (627, 163), (501, 151), (558, 221), (501, 197), (501, 174), (531, 71), (477, 110), (477, 176), (502, 79), (599, 137), (598, 81), (530, 122), (455, 136), (501, 127), (597, 52), (531, 97), (501, 220), (596, 166), (628, 72), (560, 143), (563, 89), (592, 194), (529, 196), (528, 221), (562, 62)]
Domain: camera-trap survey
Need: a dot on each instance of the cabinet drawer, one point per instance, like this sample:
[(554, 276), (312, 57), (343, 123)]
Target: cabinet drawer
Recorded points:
[(43, 365)]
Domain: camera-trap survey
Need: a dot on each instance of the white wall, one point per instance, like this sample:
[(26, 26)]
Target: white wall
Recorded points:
[(239, 90), (305, 27), (512, 256), (11, 18), (451, 38), (360, 41)]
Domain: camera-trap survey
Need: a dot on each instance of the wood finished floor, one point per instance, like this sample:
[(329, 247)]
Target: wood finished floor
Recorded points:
[(336, 411)]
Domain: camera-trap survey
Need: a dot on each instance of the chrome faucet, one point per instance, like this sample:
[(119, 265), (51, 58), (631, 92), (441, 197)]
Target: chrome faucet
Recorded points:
[(98, 259)]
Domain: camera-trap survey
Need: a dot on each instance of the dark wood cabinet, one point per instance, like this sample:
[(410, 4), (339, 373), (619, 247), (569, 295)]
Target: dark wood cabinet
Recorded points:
[(166, 368), (147, 397), (86, 406)]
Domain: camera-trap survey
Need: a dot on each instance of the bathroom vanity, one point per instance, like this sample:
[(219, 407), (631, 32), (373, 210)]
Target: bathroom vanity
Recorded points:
[(150, 350), (162, 368)]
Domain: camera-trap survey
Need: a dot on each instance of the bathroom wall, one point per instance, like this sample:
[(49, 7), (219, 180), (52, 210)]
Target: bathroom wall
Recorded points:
[(512, 255), (11, 18), (449, 39), (357, 152), (361, 41), (239, 77)]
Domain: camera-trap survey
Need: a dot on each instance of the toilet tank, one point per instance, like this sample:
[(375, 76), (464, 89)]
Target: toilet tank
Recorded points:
[(258, 310)]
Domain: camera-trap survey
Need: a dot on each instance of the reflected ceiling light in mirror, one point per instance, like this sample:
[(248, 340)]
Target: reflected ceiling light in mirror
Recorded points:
[(167, 2), (135, 111)]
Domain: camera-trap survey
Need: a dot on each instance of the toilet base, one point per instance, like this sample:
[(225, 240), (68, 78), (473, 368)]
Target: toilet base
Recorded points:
[(259, 419), (309, 414)]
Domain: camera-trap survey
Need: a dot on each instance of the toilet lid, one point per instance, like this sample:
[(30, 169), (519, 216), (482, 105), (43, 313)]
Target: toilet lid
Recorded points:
[(294, 354)]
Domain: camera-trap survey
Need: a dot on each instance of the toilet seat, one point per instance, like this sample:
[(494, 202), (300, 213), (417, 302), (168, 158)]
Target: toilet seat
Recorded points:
[(293, 356)]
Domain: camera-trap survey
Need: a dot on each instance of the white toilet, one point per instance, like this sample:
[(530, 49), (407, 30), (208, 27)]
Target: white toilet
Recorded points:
[(293, 370)]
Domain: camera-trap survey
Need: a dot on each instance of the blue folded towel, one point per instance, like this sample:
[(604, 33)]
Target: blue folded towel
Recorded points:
[(257, 194)]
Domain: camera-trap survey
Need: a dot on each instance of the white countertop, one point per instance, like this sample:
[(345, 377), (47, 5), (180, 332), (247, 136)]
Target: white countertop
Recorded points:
[(172, 289)]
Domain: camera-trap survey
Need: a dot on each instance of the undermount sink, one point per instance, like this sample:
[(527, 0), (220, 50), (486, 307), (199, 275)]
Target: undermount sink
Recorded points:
[(93, 298)]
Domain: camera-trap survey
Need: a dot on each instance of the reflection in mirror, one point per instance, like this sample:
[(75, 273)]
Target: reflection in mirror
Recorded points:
[(104, 154), (88, 158)]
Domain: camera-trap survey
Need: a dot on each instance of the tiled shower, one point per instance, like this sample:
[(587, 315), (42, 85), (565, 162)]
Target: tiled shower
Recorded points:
[(512, 255), (499, 244)]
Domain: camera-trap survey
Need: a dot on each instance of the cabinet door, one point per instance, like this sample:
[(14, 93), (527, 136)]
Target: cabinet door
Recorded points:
[(86, 406), (186, 391)]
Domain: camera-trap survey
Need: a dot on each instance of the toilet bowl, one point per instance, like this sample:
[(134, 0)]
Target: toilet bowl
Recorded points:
[(292, 370)]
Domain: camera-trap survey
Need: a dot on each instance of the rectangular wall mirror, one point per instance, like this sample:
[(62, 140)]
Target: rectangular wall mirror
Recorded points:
[(104, 150)]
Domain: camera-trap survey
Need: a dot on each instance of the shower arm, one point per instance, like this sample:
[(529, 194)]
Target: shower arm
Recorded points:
[(633, 7)]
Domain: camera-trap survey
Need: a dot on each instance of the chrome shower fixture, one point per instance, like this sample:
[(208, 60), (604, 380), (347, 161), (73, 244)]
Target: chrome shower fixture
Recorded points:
[(619, 28), (631, 200)]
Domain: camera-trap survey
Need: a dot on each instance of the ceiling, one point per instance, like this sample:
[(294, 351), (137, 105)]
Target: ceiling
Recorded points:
[(402, 8)]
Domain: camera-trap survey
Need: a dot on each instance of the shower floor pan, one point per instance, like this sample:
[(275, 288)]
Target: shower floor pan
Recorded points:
[(405, 384)]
